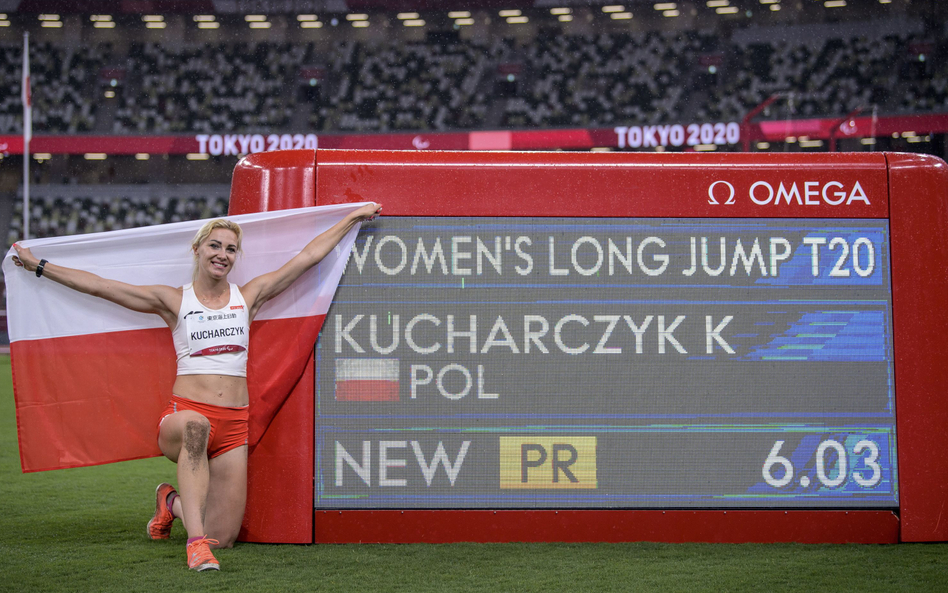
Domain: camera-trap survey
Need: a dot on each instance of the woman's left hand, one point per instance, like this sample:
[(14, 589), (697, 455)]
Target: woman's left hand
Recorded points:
[(368, 212)]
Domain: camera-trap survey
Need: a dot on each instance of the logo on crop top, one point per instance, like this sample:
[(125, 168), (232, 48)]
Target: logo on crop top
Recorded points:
[(225, 349), (220, 316), (189, 313), (234, 307)]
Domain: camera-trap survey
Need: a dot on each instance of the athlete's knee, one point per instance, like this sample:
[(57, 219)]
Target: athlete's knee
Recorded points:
[(226, 535), (196, 431), (226, 540)]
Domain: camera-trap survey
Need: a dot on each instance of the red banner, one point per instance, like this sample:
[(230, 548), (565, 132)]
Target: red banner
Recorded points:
[(684, 136)]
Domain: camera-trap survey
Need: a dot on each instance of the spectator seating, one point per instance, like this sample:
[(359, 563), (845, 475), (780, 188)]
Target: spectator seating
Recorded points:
[(208, 89), (446, 83), (69, 210), (828, 78), (63, 87), (416, 86), (605, 78)]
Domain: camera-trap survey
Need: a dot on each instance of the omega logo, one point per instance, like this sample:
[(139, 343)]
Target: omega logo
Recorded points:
[(727, 188), (807, 193)]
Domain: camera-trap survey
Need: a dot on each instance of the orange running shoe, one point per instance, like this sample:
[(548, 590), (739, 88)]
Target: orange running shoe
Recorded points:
[(160, 525), (200, 557)]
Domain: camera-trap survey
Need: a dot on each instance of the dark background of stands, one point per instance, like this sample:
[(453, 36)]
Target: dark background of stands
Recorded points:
[(309, 69)]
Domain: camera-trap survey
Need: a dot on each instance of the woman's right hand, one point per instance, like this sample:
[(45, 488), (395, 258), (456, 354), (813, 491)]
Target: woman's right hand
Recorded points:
[(24, 258)]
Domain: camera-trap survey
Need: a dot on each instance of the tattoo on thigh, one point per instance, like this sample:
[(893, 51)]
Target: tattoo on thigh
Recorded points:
[(195, 440)]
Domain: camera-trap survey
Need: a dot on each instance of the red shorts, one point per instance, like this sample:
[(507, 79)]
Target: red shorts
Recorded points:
[(229, 427)]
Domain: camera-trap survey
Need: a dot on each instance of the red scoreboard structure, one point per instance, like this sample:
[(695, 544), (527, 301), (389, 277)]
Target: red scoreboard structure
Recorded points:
[(616, 347)]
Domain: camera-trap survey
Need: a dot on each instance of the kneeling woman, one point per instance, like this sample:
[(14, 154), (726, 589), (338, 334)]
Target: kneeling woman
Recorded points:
[(204, 428)]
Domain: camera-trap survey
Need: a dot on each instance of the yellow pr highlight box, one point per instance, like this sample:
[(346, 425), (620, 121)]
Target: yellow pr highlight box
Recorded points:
[(544, 462)]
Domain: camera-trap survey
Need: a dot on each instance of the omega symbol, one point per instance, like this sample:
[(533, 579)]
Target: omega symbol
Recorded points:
[(713, 200)]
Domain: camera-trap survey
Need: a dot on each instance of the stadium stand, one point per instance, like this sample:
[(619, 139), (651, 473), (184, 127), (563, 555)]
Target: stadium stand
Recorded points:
[(447, 83), (207, 88), (601, 79), (926, 75), (830, 77), (63, 87), (72, 209), (416, 86)]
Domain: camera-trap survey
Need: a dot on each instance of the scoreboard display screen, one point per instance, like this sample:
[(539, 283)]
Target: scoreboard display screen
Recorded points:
[(512, 362)]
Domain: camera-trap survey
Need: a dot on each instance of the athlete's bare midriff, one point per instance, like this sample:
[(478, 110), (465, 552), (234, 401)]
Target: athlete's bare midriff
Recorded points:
[(218, 390)]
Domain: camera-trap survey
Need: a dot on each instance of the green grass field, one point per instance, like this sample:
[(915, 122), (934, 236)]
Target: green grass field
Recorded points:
[(84, 530)]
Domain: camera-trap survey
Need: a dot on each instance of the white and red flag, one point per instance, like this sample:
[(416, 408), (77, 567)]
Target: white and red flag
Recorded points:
[(367, 379), (91, 377)]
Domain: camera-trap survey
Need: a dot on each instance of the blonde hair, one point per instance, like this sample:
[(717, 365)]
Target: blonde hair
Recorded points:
[(205, 232)]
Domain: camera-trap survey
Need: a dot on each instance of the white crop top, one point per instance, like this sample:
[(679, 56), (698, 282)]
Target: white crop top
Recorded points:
[(212, 341)]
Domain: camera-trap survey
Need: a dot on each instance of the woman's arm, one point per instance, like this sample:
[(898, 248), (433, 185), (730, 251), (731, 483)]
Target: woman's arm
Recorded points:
[(263, 288), (163, 301)]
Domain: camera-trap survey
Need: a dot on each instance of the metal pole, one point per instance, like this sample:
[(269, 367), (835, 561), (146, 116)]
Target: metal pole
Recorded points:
[(27, 134), (26, 188)]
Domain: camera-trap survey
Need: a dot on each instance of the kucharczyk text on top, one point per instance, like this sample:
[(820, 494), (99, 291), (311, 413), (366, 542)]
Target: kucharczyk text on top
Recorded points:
[(829, 255)]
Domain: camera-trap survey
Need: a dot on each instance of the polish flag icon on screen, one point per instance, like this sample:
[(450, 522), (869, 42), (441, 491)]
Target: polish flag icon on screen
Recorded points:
[(367, 379)]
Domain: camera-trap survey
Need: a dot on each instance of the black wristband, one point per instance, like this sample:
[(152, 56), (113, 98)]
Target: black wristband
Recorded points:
[(39, 267)]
